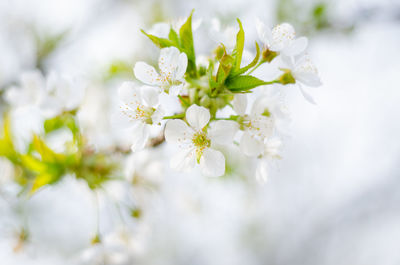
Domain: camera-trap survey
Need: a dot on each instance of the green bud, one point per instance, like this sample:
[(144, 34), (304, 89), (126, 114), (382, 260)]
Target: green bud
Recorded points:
[(287, 77), (219, 52), (268, 55), (205, 101)]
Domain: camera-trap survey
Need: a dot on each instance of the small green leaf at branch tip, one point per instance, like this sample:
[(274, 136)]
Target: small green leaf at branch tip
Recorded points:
[(250, 65), (243, 83), (186, 44), (159, 42), (239, 47)]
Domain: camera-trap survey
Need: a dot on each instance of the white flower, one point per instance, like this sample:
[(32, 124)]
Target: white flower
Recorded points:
[(139, 107), (172, 66), (51, 96), (29, 93), (270, 151), (258, 125), (304, 72), (282, 38), (196, 141), (61, 94)]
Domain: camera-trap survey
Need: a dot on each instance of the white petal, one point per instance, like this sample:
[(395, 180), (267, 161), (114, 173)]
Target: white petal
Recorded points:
[(307, 96), (175, 90), (262, 171), (157, 115), (296, 47), (212, 163), (197, 117), (181, 67), (160, 30), (150, 95), (250, 146), (168, 62), (309, 79), (184, 160), (129, 93), (264, 33), (177, 131), (139, 136), (282, 35), (240, 103), (146, 73), (223, 132)]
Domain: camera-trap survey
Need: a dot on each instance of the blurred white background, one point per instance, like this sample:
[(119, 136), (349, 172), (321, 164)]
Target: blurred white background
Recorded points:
[(334, 197)]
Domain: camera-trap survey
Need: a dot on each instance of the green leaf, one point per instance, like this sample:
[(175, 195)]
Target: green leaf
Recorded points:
[(187, 46), (6, 144), (160, 42), (243, 83), (211, 79), (239, 47), (247, 67), (225, 66), (45, 152), (173, 37)]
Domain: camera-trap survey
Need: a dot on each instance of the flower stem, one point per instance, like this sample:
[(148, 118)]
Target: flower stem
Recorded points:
[(176, 116)]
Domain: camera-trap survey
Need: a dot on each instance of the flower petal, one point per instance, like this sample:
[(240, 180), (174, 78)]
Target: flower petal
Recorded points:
[(264, 33), (177, 131), (240, 103), (140, 134), (168, 62), (223, 132), (307, 96), (197, 116), (150, 95), (250, 146), (129, 93), (296, 47), (184, 160), (181, 67), (157, 115), (147, 74), (262, 171), (175, 90), (212, 163)]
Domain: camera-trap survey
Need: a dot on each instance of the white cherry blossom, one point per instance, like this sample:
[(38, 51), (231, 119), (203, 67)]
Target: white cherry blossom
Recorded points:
[(61, 94), (259, 124), (196, 141), (304, 72), (139, 108), (271, 149), (172, 65), (282, 38), (29, 92)]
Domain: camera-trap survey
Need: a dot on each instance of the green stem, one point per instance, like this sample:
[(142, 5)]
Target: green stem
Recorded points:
[(187, 104), (255, 67), (231, 118), (176, 116)]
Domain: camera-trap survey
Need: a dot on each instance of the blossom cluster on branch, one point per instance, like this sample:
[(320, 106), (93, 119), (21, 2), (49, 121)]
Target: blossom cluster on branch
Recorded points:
[(205, 89)]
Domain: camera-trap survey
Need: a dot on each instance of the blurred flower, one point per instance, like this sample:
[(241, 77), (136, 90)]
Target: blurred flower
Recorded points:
[(282, 38), (303, 71), (172, 66), (61, 94), (271, 151), (139, 107), (29, 93), (196, 142), (162, 29), (225, 35)]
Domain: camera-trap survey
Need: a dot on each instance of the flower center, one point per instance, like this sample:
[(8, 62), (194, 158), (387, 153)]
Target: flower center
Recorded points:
[(138, 112), (260, 126), (200, 141)]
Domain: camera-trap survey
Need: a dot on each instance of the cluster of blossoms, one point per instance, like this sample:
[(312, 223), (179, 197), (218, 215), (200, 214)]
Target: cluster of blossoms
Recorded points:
[(207, 91)]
